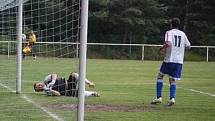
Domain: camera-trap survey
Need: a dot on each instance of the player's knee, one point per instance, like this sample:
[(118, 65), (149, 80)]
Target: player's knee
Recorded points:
[(160, 76), (171, 80)]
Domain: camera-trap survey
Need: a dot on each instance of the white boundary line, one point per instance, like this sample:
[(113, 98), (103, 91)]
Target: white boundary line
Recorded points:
[(42, 108), (7, 87), (192, 90), (205, 93), (54, 116), (188, 89)]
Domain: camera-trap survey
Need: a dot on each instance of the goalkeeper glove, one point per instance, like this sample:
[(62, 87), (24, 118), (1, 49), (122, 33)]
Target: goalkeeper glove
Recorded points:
[(91, 85)]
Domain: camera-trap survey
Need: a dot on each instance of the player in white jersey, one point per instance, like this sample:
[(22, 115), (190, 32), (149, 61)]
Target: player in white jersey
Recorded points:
[(174, 46)]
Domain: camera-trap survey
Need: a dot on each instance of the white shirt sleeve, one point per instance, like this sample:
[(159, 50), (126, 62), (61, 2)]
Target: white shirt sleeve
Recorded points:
[(187, 43), (49, 83), (47, 91), (167, 36)]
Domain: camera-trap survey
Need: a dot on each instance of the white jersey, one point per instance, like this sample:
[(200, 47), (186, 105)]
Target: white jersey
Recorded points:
[(49, 83), (178, 40)]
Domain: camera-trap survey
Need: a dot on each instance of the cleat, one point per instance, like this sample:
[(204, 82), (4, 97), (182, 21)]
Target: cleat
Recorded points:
[(34, 57), (157, 100), (171, 102), (95, 94)]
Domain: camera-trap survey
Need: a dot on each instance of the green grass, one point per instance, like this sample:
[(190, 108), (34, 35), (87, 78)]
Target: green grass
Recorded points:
[(120, 82)]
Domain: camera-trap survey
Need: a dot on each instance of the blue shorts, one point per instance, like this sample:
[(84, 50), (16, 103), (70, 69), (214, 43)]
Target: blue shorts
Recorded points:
[(171, 69)]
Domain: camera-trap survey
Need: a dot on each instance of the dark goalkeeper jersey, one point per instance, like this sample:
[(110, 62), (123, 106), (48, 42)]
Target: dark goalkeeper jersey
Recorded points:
[(66, 87)]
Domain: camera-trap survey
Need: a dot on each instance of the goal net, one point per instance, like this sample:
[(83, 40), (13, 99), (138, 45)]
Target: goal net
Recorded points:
[(55, 24), (8, 12)]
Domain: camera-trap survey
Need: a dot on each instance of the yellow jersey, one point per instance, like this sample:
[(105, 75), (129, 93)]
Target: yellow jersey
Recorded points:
[(32, 38), (26, 50)]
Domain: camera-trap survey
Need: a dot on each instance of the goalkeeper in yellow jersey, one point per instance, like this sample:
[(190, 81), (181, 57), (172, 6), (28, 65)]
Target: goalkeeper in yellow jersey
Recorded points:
[(32, 39), (28, 48)]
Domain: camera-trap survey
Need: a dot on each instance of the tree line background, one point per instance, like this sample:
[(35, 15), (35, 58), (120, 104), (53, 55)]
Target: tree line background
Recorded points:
[(116, 21), (126, 21), (145, 21)]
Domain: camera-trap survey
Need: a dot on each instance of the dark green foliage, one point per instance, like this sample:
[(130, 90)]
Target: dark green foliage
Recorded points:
[(197, 19), (126, 21), (116, 21), (145, 21)]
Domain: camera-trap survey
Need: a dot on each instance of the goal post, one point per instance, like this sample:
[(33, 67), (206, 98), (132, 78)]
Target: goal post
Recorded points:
[(56, 26), (19, 47), (83, 55)]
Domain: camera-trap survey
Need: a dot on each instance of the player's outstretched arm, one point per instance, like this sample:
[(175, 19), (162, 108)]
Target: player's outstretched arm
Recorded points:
[(91, 85), (55, 93)]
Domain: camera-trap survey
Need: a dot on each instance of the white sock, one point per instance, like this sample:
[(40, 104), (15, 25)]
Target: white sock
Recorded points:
[(88, 93)]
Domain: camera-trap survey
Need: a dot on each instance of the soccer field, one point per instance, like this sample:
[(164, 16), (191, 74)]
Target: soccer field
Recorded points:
[(126, 86)]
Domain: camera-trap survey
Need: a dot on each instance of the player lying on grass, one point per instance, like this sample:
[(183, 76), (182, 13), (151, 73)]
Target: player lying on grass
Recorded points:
[(54, 85)]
